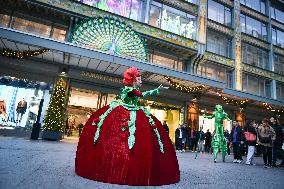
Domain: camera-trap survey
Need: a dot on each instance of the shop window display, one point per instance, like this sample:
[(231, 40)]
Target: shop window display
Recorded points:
[(126, 8), (19, 101)]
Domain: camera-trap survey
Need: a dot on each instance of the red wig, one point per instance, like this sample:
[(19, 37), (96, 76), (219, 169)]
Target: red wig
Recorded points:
[(130, 75)]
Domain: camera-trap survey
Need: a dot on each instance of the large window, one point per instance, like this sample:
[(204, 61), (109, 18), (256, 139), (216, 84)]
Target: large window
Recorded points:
[(219, 13), (255, 56), (172, 20), (277, 14), (278, 37), (130, 9), (279, 64), (280, 90), (256, 85), (218, 44), (34, 25), (216, 72), (253, 27), (258, 5), (166, 60)]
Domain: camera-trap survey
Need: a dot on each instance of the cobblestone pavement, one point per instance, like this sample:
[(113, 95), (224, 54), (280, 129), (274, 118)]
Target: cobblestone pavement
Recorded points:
[(26, 164)]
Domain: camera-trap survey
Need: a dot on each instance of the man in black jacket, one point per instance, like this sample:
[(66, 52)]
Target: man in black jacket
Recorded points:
[(237, 139), (277, 144)]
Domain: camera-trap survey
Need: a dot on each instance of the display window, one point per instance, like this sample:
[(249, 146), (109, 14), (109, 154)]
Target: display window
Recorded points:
[(20, 100)]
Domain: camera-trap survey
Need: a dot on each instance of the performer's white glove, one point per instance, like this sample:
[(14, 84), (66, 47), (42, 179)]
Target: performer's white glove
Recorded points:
[(163, 87)]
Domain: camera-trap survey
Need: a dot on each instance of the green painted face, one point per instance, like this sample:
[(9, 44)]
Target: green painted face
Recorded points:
[(218, 108)]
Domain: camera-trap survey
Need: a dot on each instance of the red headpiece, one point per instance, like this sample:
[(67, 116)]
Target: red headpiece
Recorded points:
[(130, 75)]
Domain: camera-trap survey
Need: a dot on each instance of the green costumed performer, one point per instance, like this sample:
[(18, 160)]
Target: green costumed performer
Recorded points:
[(219, 142)]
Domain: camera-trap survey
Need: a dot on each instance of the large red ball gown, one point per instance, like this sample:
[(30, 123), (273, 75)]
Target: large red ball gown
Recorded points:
[(113, 158)]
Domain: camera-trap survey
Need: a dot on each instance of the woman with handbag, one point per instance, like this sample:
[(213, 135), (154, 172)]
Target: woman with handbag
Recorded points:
[(250, 136), (266, 136)]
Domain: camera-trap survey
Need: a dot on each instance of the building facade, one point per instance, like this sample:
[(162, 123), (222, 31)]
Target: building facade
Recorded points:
[(207, 51)]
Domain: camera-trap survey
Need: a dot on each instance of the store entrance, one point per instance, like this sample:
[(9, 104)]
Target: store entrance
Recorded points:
[(81, 105)]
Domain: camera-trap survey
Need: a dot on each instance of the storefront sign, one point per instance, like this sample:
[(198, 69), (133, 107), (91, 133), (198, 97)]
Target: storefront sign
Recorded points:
[(145, 29), (218, 59), (93, 75), (261, 72), (220, 27)]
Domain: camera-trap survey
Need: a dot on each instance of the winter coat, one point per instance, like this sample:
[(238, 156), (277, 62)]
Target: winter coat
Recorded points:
[(252, 130), (266, 131)]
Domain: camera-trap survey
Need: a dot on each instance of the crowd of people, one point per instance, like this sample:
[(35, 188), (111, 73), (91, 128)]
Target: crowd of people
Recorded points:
[(252, 139)]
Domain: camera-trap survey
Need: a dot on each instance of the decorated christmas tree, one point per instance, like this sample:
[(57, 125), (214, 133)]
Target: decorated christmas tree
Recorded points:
[(54, 119)]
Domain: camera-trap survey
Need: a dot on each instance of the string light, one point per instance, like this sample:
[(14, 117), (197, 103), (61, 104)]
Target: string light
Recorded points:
[(22, 54), (233, 101), (183, 88), (54, 119), (270, 108)]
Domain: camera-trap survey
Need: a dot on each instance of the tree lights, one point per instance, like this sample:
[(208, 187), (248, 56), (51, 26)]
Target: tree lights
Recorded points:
[(22, 54), (112, 36), (54, 119)]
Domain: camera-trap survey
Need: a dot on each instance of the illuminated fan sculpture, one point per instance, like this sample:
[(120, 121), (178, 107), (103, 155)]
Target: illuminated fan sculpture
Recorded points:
[(112, 36)]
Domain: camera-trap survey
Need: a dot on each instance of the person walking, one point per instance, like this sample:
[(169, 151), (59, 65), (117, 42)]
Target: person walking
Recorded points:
[(250, 136), (237, 139), (200, 137), (178, 135), (277, 144), (266, 136), (208, 138), (227, 136)]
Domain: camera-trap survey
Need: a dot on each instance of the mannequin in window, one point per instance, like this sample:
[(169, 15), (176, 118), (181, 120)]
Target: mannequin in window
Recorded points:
[(21, 109), (3, 113)]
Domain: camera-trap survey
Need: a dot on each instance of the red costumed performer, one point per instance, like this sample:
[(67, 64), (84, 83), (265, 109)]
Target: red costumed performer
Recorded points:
[(123, 143)]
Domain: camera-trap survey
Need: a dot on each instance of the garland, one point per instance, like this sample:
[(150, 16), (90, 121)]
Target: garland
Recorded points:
[(184, 88), (270, 108), (241, 103), (22, 54)]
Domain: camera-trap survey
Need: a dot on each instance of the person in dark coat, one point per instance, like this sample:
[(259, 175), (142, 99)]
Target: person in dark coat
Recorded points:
[(237, 140), (250, 140), (227, 136), (208, 138), (277, 144), (166, 126), (178, 137)]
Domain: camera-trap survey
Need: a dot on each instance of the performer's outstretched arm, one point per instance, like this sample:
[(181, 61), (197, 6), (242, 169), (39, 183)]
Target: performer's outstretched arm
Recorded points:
[(209, 116)]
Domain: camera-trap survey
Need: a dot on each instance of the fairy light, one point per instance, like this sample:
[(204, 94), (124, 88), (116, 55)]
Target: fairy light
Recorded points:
[(54, 120), (22, 54), (183, 88), (232, 101), (270, 108)]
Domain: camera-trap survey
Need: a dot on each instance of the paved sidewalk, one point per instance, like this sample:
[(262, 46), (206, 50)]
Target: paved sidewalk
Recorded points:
[(26, 164)]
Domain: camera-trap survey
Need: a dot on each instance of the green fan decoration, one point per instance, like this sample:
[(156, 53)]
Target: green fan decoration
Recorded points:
[(112, 36)]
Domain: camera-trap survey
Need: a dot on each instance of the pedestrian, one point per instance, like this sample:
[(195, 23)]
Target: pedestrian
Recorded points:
[(208, 138), (237, 139), (277, 144), (266, 135), (227, 136), (194, 141), (166, 126), (250, 136), (200, 137), (178, 136)]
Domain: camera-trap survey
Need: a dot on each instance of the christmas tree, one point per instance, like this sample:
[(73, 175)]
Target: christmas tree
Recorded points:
[(54, 119)]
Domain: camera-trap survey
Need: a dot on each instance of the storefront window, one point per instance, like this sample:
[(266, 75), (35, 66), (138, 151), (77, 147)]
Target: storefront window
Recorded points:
[(280, 90), (277, 14), (255, 56), (278, 37), (219, 13), (258, 5), (256, 85), (279, 64), (218, 44), (4, 20), (59, 33), (172, 20), (20, 100), (31, 27), (127, 8), (166, 60), (253, 27)]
